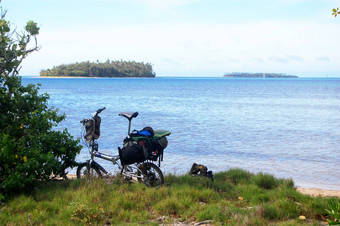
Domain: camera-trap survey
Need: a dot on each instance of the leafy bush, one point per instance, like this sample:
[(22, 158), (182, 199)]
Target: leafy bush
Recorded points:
[(334, 212), (336, 12), (30, 150)]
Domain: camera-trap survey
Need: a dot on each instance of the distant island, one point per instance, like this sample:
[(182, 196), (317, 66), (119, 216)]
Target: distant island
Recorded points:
[(119, 69), (257, 75)]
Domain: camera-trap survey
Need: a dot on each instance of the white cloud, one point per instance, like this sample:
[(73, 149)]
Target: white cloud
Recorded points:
[(295, 58), (278, 59), (323, 58), (285, 59)]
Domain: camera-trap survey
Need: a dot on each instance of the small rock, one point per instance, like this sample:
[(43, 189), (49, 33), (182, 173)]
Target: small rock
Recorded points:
[(203, 222), (107, 223), (302, 217)]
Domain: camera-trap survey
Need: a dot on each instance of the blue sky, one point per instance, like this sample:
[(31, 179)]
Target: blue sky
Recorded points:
[(186, 37)]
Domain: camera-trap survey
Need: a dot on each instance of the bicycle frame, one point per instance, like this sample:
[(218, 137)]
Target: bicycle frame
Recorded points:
[(144, 171), (127, 171)]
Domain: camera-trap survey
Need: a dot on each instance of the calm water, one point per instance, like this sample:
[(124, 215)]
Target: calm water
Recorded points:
[(286, 127)]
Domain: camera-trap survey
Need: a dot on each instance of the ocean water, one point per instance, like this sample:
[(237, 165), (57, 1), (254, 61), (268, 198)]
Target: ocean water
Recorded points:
[(286, 127)]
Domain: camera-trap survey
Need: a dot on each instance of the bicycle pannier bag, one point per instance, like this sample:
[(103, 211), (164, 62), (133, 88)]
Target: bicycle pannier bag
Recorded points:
[(92, 129), (132, 152), (155, 148), (163, 142)]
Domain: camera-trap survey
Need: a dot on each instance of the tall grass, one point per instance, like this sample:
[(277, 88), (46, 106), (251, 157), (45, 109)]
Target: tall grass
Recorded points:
[(234, 197)]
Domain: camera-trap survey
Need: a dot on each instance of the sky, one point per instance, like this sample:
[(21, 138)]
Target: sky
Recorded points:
[(185, 37)]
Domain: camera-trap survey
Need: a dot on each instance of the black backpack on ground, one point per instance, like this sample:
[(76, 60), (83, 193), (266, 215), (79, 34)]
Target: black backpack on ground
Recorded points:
[(201, 170)]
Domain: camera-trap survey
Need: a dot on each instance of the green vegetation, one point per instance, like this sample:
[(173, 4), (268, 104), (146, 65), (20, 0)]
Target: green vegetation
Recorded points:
[(30, 150), (335, 12), (257, 75), (334, 212), (235, 197), (107, 69)]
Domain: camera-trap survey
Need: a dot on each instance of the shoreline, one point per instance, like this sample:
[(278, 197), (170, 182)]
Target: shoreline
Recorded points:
[(88, 77), (319, 192)]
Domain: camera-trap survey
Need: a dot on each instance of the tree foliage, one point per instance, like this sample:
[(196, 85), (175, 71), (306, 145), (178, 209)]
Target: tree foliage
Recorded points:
[(336, 12), (30, 149), (107, 69)]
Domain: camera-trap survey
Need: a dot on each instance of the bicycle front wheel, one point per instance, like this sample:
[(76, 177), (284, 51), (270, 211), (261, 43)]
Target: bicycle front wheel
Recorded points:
[(87, 172), (150, 175)]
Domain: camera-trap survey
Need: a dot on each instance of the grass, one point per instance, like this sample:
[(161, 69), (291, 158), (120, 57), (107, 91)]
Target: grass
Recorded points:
[(235, 197)]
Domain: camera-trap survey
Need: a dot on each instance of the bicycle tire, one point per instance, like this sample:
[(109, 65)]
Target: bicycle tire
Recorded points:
[(83, 174), (150, 174)]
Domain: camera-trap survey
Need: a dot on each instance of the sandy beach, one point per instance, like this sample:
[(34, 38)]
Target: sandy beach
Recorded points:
[(319, 192)]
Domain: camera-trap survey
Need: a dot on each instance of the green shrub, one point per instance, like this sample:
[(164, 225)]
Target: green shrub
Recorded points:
[(87, 213), (334, 212), (266, 181), (238, 175), (289, 183), (197, 181), (211, 212), (169, 206), (271, 212), (30, 150)]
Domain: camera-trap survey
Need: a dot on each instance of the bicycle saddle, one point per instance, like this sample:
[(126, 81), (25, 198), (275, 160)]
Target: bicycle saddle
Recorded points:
[(129, 116)]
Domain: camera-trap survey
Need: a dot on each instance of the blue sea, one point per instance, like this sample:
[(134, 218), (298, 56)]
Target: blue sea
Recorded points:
[(286, 127)]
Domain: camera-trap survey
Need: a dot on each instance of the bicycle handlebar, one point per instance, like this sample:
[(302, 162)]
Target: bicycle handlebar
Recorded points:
[(100, 110), (94, 114)]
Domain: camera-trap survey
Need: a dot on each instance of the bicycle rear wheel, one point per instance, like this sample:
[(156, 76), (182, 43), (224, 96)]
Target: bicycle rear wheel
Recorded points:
[(85, 172), (150, 175)]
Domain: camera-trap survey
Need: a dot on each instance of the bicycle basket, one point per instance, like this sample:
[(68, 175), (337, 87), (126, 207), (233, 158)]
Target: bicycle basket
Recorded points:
[(92, 129)]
